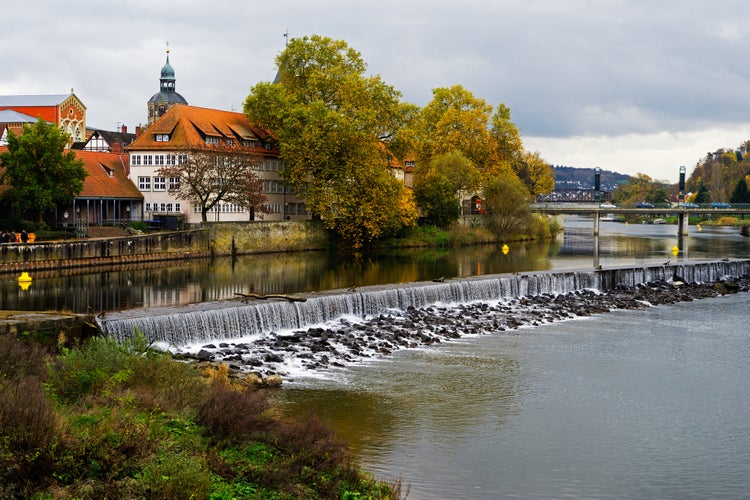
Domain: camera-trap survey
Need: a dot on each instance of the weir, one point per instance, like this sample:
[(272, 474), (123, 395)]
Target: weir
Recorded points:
[(216, 321)]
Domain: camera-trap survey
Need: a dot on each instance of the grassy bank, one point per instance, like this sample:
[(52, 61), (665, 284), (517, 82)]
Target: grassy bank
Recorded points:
[(464, 235), (106, 420)]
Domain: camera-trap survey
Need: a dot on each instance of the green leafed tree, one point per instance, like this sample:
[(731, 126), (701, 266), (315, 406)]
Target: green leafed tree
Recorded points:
[(41, 173), (741, 194), (506, 201), (333, 125), (436, 194)]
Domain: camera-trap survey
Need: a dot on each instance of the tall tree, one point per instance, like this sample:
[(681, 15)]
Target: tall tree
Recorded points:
[(331, 121), (506, 201), (741, 194), (41, 173), (222, 174), (455, 120)]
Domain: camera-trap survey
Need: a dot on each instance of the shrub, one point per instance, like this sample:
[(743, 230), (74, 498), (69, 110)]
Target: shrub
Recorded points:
[(19, 357), (27, 419), (234, 413)]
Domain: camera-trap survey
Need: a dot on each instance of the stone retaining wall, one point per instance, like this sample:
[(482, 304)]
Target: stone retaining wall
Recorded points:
[(261, 237), (101, 251)]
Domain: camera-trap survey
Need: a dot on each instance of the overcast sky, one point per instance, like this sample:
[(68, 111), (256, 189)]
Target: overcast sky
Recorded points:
[(630, 86)]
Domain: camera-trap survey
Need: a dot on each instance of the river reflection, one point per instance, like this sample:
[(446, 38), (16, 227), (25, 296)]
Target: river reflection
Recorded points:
[(166, 284)]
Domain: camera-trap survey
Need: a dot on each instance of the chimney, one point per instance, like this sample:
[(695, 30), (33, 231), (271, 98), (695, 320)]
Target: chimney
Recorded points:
[(137, 131), (124, 129), (116, 147)]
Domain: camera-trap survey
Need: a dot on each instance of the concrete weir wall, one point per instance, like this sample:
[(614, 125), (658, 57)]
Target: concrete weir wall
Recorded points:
[(100, 251)]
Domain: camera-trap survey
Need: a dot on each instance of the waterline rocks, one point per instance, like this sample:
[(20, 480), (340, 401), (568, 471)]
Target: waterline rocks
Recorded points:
[(348, 340)]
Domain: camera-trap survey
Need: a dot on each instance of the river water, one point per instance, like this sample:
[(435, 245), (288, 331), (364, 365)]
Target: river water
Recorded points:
[(178, 283), (650, 403), (629, 404)]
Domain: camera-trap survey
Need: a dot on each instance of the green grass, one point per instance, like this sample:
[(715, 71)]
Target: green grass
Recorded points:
[(106, 420)]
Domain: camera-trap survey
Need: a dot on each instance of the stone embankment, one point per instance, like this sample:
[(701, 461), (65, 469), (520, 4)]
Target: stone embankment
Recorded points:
[(219, 238), (348, 341)]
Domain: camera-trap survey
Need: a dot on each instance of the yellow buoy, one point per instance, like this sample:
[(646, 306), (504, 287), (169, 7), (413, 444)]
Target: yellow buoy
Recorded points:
[(24, 281), (700, 228), (675, 250), (505, 249)]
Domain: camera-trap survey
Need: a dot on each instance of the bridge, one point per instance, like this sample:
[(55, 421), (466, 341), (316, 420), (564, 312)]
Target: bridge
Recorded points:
[(680, 210)]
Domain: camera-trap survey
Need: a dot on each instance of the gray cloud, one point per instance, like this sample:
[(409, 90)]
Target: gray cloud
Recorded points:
[(567, 68)]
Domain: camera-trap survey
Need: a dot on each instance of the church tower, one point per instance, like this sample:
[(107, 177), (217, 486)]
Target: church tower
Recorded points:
[(167, 97)]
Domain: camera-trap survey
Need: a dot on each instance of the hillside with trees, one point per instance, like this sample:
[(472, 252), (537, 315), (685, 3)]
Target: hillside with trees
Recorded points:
[(583, 178), (723, 175)]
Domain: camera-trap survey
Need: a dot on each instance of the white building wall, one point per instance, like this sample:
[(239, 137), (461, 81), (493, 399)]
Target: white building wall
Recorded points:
[(158, 201)]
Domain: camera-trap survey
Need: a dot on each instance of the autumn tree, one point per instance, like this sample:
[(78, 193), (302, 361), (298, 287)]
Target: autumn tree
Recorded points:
[(331, 122), (217, 175), (454, 120), (436, 194), (41, 173), (506, 201)]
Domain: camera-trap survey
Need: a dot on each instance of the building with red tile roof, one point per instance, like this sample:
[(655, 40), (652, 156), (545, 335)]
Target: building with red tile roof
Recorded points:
[(184, 130), (107, 197)]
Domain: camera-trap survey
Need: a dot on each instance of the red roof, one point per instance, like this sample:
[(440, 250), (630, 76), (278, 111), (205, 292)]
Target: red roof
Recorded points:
[(188, 127), (107, 175)]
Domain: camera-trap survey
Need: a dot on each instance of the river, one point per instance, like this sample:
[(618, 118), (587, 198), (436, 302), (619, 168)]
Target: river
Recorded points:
[(648, 403), (179, 283)]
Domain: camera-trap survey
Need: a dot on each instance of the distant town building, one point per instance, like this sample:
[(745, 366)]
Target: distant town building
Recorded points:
[(64, 110)]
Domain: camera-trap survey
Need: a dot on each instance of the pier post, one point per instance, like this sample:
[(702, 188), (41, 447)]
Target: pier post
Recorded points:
[(682, 223)]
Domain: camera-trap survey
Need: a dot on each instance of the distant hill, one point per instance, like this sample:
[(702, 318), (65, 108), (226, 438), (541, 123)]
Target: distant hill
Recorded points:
[(583, 178)]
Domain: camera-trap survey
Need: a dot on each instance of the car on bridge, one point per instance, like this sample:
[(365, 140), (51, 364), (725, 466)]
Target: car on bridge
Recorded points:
[(607, 205), (644, 204), (690, 205), (720, 204)]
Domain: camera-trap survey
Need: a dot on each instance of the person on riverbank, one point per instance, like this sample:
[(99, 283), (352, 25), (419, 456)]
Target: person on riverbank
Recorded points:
[(24, 236)]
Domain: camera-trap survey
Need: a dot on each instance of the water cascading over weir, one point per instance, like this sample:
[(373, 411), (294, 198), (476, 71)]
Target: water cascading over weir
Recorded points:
[(216, 321)]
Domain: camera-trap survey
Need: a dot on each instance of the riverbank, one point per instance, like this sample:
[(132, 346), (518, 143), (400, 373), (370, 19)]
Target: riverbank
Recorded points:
[(347, 340)]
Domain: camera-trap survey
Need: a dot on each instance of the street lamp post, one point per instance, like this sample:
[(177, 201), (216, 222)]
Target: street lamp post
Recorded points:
[(681, 191), (65, 224)]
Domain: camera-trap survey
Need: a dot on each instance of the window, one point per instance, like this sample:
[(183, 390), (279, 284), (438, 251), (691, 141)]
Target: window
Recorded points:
[(163, 207), (158, 159), (159, 184), (229, 142), (135, 160), (171, 160), (144, 183), (177, 207), (148, 207), (211, 139), (174, 183), (162, 138), (148, 159), (183, 159), (169, 207)]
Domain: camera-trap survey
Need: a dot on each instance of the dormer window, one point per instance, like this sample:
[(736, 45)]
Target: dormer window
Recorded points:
[(161, 137), (229, 141), (212, 139)]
